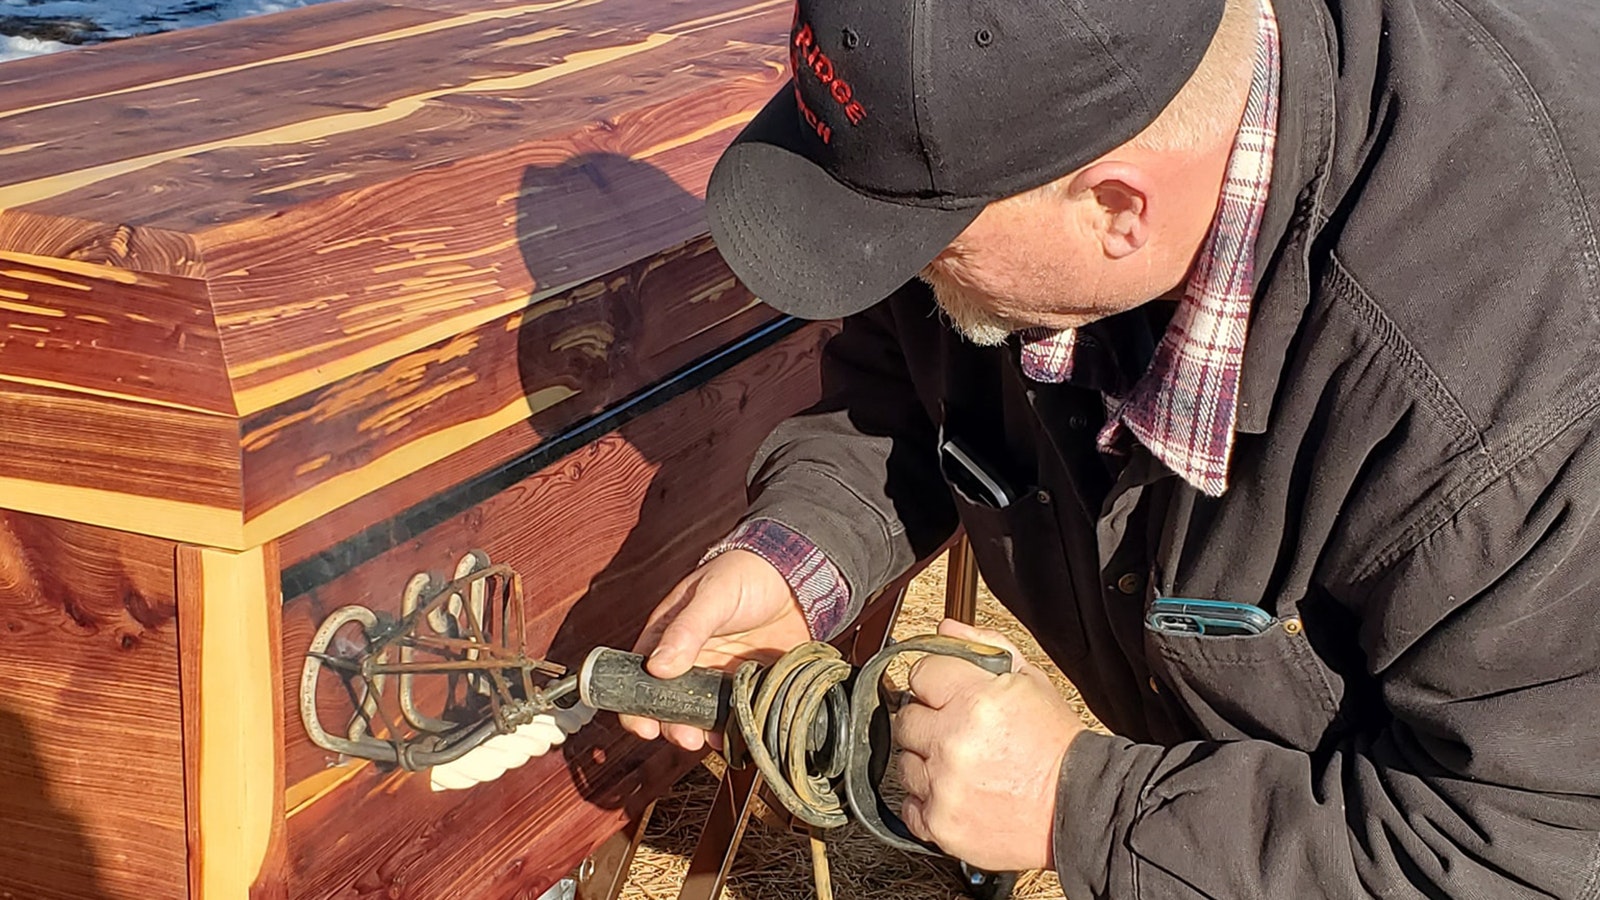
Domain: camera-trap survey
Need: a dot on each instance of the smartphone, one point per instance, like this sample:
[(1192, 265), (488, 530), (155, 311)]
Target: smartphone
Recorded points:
[(975, 480), (1208, 618)]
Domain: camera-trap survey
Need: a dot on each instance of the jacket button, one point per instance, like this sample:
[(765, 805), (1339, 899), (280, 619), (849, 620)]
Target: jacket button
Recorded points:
[(1130, 583), (1077, 422), (1043, 496), (1293, 626)]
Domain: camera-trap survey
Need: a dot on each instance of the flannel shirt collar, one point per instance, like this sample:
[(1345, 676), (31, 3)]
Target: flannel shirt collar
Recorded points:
[(1184, 407)]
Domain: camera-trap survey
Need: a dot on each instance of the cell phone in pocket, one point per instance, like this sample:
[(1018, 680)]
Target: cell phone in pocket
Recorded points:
[(978, 482), (1206, 618)]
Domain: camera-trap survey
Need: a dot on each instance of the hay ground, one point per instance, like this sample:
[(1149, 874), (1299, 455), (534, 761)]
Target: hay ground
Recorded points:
[(776, 865)]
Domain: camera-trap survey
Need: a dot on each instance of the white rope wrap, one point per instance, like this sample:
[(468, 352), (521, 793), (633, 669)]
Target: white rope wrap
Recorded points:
[(504, 752)]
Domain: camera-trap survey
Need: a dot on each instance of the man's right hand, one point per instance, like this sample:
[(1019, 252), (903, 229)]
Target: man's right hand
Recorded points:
[(733, 608)]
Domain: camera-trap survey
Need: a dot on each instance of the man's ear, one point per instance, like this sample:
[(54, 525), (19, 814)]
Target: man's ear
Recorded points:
[(1121, 193)]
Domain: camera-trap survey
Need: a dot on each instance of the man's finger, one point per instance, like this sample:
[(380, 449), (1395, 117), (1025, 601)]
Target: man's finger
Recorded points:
[(914, 775), (936, 680), (662, 616), (916, 729), (646, 729), (912, 813), (952, 628), (686, 736)]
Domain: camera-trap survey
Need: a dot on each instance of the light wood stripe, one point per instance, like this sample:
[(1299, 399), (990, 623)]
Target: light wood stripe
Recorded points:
[(302, 794), (323, 128), (398, 34), (174, 519), (109, 395), (235, 743), (726, 18), (87, 270), (391, 467), (216, 527), (255, 398)]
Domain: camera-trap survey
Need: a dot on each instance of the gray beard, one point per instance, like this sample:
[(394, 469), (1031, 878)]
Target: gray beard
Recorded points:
[(965, 312)]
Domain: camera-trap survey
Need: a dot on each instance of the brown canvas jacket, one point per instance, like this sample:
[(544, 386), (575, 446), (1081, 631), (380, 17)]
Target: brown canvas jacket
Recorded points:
[(1413, 495)]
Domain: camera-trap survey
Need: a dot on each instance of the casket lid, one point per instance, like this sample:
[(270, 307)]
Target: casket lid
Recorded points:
[(204, 233)]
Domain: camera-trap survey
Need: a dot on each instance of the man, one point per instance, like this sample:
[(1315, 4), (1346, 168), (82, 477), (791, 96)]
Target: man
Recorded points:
[(1293, 307)]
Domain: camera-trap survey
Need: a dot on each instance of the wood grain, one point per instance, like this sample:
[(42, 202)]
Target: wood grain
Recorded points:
[(230, 610), (109, 331), (91, 751), (560, 361), (306, 271), (599, 538), (323, 225), (181, 456), (370, 274), (137, 249), (127, 68)]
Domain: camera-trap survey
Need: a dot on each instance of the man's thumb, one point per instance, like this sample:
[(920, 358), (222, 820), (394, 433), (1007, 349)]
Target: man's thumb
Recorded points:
[(701, 619)]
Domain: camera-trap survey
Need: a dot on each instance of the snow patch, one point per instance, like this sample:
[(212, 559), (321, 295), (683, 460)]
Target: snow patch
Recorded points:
[(22, 47)]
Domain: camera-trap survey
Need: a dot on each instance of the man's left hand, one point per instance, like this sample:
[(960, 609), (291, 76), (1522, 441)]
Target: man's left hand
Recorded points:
[(982, 755)]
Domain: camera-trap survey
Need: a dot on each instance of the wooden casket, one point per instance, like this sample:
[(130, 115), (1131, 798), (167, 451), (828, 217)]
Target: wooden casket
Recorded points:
[(297, 309)]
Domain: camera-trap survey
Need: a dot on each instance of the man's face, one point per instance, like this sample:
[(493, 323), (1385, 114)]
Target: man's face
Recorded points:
[(1021, 264)]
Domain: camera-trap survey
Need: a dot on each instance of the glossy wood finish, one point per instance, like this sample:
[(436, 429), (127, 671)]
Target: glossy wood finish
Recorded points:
[(91, 742), (310, 235), (599, 538), (230, 610), (309, 274)]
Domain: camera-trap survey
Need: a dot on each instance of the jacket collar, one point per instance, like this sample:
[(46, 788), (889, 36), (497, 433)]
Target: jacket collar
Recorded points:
[(1300, 172)]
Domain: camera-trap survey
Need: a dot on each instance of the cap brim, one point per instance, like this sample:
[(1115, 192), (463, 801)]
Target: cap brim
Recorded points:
[(804, 242)]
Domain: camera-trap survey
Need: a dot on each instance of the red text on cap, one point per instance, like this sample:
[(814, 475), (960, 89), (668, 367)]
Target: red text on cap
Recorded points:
[(805, 50)]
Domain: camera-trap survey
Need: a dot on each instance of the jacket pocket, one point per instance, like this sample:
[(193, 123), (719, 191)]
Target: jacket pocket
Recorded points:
[(1023, 561), (1267, 686)]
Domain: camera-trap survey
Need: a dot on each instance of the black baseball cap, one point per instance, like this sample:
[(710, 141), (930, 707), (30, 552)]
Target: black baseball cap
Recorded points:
[(906, 117)]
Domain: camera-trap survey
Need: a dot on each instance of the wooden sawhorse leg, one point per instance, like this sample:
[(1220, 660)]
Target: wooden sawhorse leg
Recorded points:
[(961, 583), (604, 875)]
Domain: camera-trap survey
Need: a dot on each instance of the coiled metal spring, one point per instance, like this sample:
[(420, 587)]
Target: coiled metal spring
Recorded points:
[(792, 721)]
